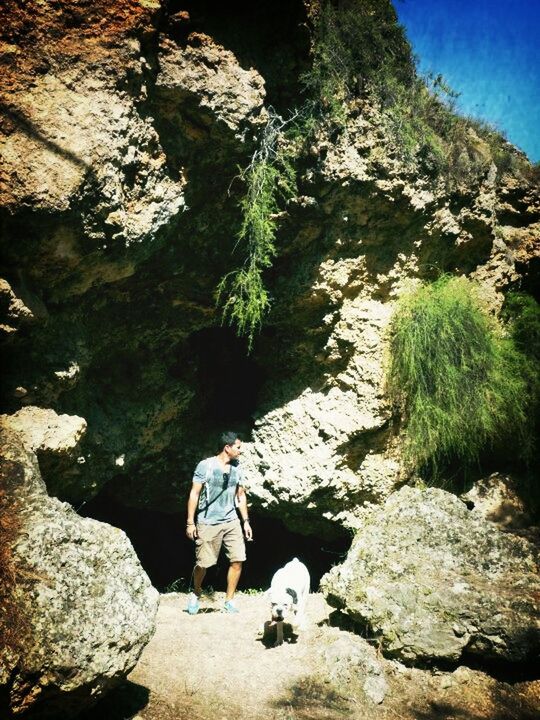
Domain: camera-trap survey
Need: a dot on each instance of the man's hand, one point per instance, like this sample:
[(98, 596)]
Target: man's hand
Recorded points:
[(191, 531), (248, 532)]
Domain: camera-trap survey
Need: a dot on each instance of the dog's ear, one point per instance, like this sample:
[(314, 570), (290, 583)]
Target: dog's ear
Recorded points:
[(293, 594)]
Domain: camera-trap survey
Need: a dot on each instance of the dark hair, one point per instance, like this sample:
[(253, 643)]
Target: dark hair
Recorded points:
[(227, 438)]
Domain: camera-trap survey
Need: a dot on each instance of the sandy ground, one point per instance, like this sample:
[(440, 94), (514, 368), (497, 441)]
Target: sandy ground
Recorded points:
[(226, 669), (214, 666)]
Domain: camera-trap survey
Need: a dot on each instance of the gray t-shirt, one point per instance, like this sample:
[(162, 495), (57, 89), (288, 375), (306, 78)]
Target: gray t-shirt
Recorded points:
[(217, 498)]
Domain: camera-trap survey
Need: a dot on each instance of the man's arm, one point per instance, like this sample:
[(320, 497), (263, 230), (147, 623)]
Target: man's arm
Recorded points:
[(243, 508), (193, 501)]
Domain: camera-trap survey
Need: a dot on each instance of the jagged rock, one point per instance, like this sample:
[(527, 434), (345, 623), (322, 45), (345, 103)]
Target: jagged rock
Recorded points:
[(201, 88), (497, 499), (73, 137), (87, 606), (433, 580), (350, 659), (13, 311), (122, 140), (44, 431), (335, 457), (54, 438)]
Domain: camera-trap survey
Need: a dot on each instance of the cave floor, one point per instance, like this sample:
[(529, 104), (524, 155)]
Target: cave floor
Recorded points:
[(214, 665)]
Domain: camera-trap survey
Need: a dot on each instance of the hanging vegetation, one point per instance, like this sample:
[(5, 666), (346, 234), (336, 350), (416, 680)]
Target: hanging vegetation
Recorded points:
[(269, 179), (460, 383)]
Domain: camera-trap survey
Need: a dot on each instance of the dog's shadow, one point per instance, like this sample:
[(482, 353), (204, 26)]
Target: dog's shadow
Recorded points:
[(203, 611), (269, 635)]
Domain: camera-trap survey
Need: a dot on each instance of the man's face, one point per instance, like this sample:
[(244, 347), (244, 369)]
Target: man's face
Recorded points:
[(233, 451)]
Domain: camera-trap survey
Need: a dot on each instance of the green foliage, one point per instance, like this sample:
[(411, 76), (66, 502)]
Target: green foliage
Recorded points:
[(269, 178), (360, 48), (350, 44), (255, 592), (522, 313), (425, 127), (460, 383), (416, 117), (178, 585)]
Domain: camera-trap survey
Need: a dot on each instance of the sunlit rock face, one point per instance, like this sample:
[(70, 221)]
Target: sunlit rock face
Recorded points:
[(105, 177), (433, 580), (86, 605), (124, 131)]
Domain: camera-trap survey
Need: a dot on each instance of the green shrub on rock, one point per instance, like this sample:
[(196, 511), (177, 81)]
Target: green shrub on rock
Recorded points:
[(269, 178), (522, 313), (460, 383)]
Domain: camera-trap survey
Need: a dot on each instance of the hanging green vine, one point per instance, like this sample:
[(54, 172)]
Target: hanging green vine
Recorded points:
[(270, 178)]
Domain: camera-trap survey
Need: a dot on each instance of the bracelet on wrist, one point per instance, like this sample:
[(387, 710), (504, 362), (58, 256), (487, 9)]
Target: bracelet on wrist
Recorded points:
[(190, 524), (245, 520)]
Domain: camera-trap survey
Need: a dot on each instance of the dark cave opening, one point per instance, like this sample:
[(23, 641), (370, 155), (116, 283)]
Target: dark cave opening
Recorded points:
[(168, 556), (227, 381)]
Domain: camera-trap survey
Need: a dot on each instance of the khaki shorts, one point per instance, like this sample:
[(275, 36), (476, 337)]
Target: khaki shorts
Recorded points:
[(212, 537)]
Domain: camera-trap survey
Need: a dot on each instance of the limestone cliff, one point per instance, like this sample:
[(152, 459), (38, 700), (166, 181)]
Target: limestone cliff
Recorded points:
[(124, 126)]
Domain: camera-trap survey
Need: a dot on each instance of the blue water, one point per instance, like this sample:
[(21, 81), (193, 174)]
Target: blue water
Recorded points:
[(487, 50)]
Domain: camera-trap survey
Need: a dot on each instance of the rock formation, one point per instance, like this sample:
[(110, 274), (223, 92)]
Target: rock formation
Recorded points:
[(124, 130), (432, 580), (123, 136), (87, 607)]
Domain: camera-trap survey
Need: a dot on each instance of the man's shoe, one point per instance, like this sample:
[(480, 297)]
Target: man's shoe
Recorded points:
[(193, 604), (230, 607)]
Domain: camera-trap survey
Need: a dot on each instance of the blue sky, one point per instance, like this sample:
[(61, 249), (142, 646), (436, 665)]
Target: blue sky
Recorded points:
[(488, 51)]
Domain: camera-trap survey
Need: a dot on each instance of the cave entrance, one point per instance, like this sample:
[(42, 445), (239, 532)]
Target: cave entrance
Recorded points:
[(226, 382), (168, 556)]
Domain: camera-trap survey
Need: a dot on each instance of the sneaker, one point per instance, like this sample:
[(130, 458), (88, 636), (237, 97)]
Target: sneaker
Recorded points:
[(230, 607), (193, 604)]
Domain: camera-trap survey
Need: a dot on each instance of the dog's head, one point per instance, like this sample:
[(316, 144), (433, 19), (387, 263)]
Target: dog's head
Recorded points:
[(283, 603)]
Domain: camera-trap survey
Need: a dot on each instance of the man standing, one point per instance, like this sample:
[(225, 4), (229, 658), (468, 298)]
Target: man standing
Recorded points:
[(216, 492)]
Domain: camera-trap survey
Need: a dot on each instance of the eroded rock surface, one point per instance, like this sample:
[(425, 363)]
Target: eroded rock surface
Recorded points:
[(498, 499), (205, 81), (124, 134), (433, 580), (87, 606)]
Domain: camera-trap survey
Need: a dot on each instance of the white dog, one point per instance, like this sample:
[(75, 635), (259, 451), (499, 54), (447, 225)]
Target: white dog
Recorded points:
[(288, 595)]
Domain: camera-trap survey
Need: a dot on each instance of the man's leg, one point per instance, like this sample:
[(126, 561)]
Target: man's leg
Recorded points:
[(233, 576), (198, 577), (206, 554)]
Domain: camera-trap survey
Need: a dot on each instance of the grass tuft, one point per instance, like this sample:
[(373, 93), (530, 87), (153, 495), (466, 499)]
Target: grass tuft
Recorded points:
[(460, 383), (359, 49)]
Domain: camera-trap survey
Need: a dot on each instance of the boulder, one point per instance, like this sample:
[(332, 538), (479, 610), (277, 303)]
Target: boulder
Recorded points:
[(203, 85), (349, 659), (85, 603), (55, 439), (497, 498), (44, 431), (433, 580)]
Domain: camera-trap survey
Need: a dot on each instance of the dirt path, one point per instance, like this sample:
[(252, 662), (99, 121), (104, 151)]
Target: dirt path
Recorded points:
[(213, 666), (217, 665)]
